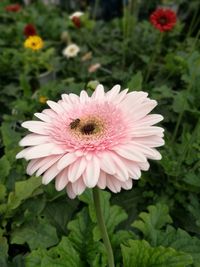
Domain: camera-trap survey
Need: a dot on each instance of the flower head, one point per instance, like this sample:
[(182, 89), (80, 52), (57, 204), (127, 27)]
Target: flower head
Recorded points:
[(75, 18), (104, 140), (76, 14), (163, 19), (76, 21), (34, 42), (43, 99), (29, 30), (71, 51), (94, 67), (13, 8)]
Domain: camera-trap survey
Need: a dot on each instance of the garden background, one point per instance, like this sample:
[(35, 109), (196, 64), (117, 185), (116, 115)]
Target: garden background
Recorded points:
[(157, 222)]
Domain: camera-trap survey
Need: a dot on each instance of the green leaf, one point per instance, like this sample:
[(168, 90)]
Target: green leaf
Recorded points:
[(63, 255), (9, 136), (181, 241), (138, 253), (23, 190), (4, 168), (181, 102), (3, 251), (38, 234), (135, 84), (113, 215), (2, 192), (59, 213), (150, 222), (81, 236)]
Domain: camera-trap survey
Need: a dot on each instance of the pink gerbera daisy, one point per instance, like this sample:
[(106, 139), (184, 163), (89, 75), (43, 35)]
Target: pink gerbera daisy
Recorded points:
[(104, 140)]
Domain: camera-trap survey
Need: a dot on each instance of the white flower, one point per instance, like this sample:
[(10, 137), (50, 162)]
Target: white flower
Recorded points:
[(76, 14), (71, 50)]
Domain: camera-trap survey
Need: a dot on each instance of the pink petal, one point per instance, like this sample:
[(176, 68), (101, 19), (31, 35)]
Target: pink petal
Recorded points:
[(128, 151), (146, 131), (31, 165), (50, 174), (70, 191), (66, 160), (151, 141), (61, 180), (84, 97), (133, 99), (113, 184), (38, 127), (149, 120), (102, 180), (43, 150), (34, 139), (121, 170), (143, 109), (74, 98), (99, 92), (113, 92), (55, 106), (76, 169), (78, 187), (92, 172), (120, 97), (43, 117), (46, 163), (128, 184), (49, 112), (22, 154), (107, 164)]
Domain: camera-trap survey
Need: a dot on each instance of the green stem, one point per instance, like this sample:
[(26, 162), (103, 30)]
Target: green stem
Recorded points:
[(102, 227), (153, 58), (96, 5)]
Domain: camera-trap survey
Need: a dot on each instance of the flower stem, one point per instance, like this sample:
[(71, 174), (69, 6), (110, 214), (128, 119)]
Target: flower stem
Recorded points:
[(153, 57), (102, 227)]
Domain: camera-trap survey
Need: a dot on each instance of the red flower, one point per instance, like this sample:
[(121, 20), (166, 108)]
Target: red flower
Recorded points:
[(29, 30), (163, 19), (76, 21), (13, 8)]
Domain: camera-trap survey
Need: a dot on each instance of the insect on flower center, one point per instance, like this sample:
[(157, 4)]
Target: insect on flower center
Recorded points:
[(87, 126)]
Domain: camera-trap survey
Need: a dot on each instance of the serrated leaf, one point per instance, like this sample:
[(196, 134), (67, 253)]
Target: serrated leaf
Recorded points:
[(38, 234), (138, 253), (150, 222), (23, 190), (59, 213), (113, 215), (181, 241), (63, 255), (82, 238)]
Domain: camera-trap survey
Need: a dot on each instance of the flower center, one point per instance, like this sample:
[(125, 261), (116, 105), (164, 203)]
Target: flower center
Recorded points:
[(88, 128), (163, 20)]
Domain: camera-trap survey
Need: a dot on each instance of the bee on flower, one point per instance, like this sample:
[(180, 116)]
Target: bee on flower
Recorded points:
[(105, 140)]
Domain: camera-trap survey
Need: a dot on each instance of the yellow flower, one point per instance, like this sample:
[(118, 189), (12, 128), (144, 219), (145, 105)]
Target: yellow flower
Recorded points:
[(43, 99), (34, 42)]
